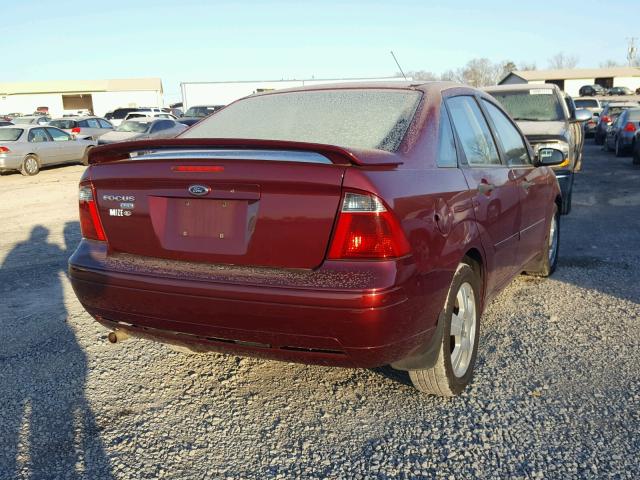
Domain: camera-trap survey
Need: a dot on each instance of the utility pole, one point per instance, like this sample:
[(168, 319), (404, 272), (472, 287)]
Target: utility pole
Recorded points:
[(631, 50)]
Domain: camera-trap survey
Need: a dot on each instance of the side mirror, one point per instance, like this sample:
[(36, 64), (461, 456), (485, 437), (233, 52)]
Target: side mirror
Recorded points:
[(582, 115), (548, 157)]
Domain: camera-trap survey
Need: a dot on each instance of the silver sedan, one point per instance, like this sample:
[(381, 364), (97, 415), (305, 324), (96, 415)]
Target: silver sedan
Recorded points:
[(27, 148)]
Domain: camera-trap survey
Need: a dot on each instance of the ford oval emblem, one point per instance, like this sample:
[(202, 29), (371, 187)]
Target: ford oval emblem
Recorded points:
[(199, 190)]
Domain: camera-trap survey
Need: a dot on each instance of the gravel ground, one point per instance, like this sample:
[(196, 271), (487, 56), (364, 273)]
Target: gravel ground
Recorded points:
[(556, 394)]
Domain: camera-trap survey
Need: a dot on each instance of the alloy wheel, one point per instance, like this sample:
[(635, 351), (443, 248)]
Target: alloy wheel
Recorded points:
[(31, 165), (463, 329)]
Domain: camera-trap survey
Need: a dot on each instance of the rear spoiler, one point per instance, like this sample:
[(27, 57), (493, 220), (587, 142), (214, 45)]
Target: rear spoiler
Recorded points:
[(338, 155)]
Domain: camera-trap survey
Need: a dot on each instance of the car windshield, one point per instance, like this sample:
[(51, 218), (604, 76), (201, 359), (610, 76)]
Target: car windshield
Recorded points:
[(64, 124), (359, 118), (536, 105), (23, 120), (586, 103), (136, 127), (10, 134), (615, 111)]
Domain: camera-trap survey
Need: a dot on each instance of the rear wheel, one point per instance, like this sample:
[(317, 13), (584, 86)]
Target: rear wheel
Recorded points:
[(598, 139), (30, 165), (85, 157), (619, 149), (549, 254), (453, 368), (636, 154)]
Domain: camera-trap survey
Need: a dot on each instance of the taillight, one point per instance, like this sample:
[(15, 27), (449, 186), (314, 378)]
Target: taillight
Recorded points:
[(75, 130), (4, 150), (90, 224), (367, 230), (630, 127), (605, 119)]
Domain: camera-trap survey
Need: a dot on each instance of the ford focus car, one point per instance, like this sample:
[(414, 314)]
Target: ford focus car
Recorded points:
[(353, 225)]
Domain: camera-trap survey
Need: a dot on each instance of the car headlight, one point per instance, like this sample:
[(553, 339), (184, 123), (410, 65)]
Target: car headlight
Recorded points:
[(562, 146)]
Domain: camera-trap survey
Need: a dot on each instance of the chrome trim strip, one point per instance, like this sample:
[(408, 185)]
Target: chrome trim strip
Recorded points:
[(231, 154)]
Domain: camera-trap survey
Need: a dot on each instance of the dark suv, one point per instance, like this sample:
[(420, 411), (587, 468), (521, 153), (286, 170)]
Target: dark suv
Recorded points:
[(549, 119), (591, 90)]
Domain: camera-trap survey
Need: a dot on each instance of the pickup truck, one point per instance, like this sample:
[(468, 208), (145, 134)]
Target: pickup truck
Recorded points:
[(549, 119)]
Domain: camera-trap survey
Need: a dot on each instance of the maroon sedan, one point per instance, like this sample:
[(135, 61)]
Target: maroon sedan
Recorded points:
[(351, 225)]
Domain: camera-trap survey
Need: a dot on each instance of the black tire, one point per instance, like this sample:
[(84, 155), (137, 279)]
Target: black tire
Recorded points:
[(85, 157), (636, 154), (30, 166), (598, 140), (548, 262), (619, 150), (440, 379)]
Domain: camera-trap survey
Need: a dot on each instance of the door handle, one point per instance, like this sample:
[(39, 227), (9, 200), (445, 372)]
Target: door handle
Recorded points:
[(485, 188), (526, 184)]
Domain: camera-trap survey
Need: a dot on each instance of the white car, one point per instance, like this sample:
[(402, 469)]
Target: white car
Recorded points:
[(143, 128), (149, 113)]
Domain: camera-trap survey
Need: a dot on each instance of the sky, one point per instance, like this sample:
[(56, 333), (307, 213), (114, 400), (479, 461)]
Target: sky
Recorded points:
[(188, 40)]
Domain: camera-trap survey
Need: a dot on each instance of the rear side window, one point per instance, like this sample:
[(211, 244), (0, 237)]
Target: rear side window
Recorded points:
[(10, 134), (447, 155), (473, 131), (104, 124), (37, 135), (359, 118), (513, 145)]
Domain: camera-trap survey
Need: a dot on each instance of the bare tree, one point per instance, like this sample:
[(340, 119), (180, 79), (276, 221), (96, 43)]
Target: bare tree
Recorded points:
[(562, 60), (422, 75), (527, 66), (610, 64)]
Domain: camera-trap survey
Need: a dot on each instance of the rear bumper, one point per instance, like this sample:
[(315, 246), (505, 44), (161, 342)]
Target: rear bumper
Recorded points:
[(379, 315), (10, 162)]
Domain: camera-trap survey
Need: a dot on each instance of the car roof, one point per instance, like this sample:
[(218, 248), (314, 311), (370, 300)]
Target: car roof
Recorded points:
[(521, 87), (623, 104), (77, 118), (27, 126)]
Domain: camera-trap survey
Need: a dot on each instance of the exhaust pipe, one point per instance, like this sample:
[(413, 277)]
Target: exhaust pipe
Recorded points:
[(117, 336)]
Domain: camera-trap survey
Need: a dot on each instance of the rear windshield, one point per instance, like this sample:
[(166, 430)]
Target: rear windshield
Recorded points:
[(634, 115), (23, 120), (371, 118), (64, 124), (615, 111), (536, 105), (586, 103), (137, 127), (10, 134)]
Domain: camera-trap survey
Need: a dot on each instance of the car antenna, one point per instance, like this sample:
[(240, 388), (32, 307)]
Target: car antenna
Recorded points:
[(396, 60)]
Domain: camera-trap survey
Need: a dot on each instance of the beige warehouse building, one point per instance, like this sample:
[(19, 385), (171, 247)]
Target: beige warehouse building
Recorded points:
[(69, 96), (570, 80)]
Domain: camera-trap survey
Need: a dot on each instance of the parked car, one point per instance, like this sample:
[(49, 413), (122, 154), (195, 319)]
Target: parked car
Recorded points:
[(117, 116), (549, 119), (27, 148), (591, 90), (621, 136), (595, 107), (149, 113), (620, 91), (143, 128), (31, 120), (83, 127), (201, 111), (609, 114), (188, 121), (306, 225)]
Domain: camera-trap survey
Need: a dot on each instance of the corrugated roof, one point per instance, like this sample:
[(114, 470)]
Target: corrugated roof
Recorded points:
[(79, 86), (575, 73)]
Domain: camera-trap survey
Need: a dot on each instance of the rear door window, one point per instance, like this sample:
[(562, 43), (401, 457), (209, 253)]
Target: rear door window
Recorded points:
[(104, 124), (38, 135), (473, 132)]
